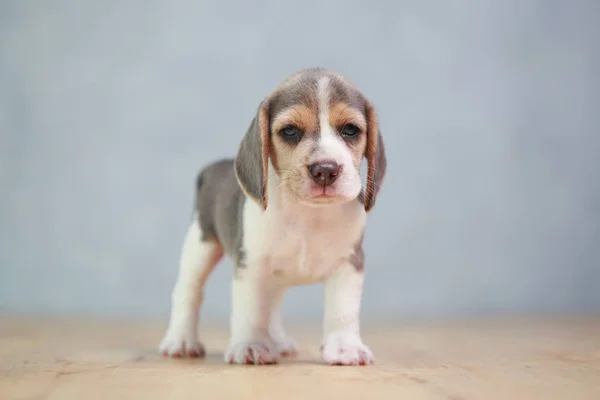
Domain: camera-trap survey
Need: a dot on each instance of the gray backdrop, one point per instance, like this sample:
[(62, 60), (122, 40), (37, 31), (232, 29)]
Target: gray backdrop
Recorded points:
[(490, 112)]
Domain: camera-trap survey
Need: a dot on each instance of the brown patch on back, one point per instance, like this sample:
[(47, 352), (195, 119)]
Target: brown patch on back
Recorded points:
[(208, 183), (219, 205)]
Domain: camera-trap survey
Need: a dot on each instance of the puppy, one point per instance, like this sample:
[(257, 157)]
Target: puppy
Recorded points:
[(290, 209)]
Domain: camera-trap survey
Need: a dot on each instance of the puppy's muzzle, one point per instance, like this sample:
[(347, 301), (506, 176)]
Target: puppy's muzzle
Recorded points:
[(324, 173)]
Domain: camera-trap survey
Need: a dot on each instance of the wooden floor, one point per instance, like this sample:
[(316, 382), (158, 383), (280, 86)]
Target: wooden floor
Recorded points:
[(61, 359)]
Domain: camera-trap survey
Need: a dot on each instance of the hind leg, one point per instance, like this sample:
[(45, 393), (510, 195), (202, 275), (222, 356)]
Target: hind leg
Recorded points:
[(198, 259)]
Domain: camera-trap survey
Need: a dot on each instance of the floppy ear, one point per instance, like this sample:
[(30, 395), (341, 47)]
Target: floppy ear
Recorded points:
[(376, 161), (252, 159)]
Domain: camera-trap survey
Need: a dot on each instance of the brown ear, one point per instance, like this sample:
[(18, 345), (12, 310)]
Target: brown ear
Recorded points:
[(252, 159), (376, 161)]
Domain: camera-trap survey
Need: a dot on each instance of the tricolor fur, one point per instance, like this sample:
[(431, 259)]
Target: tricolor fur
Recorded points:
[(290, 209)]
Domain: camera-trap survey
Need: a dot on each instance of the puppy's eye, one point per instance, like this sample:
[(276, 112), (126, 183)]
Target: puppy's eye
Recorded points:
[(350, 130), (291, 133)]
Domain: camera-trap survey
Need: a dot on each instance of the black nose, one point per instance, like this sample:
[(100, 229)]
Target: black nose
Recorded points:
[(324, 173)]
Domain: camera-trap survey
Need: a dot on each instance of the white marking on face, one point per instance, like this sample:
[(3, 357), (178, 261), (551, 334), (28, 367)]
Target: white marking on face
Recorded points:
[(331, 147)]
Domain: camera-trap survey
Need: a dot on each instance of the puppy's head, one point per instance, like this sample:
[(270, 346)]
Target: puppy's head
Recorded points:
[(315, 129)]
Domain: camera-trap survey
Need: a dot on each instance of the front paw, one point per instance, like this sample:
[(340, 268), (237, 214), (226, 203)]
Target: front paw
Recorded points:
[(181, 343), (252, 352), (287, 347), (343, 348)]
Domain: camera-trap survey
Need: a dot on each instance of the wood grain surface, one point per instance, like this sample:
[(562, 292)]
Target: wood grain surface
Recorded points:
[(527, 359)]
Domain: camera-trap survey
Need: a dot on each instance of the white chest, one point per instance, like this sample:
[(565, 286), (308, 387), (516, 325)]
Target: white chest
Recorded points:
[(303, 245)]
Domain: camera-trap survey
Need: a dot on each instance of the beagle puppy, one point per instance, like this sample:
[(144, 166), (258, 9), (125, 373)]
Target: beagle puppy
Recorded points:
[(290, 209)]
